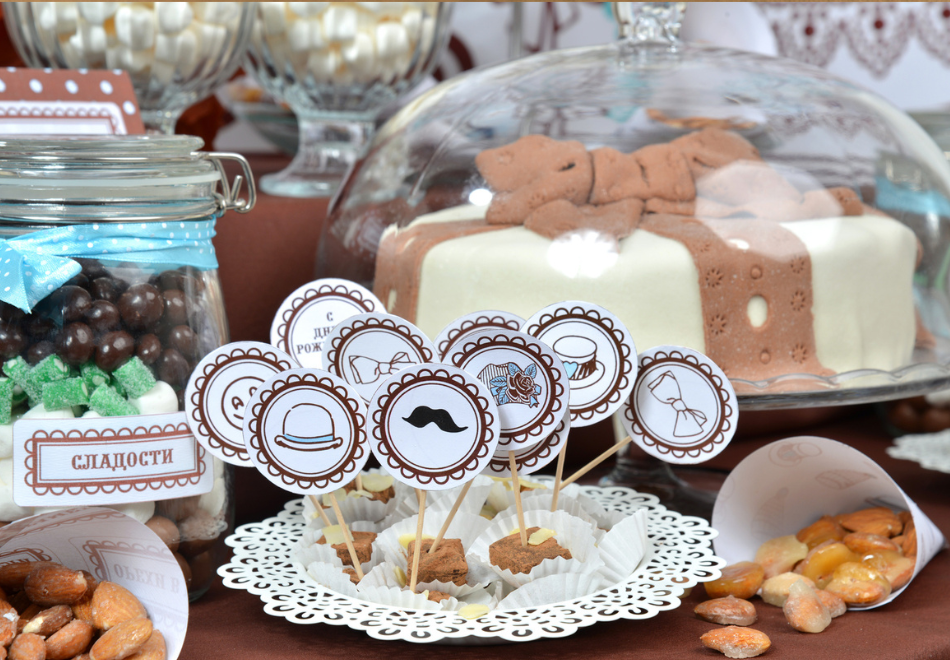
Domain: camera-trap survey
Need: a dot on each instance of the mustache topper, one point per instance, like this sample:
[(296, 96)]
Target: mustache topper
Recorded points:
[(423, 416)]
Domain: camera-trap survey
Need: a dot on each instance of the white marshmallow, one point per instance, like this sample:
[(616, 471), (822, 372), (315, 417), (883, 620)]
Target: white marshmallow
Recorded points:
[(211, 39), (173, 16), (94, 39), (133, 61), (273, 17), (180, 49), (323, 64), (392, 42), (383, 8), (141, 511), (220, 13), (67, 17), (360, 56), (45, 13), (214, 501), (299, 36), (160, 399), (96, 13), (113, 61), (135, 27), (6, 440), (307, 9), (427, 33), (163, 73), (218, 467), (412, 21), (40, 412), (339, 24), (8, 508), (91, 414)]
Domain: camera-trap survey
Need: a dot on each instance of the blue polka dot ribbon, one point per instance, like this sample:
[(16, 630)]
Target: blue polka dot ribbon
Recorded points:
[(34, 265)]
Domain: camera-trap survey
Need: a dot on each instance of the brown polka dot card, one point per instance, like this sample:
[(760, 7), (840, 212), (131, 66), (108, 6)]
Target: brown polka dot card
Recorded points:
[(68, 102)]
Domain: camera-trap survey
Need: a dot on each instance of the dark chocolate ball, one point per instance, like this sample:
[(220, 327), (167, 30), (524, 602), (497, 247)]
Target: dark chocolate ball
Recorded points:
[(148, 348), (141, 307), (38, 327), (12, 339), (176, 279), (177, 306), (40, 351), (71, 302), (10, 313), (75, 344), (80, 280), (107, 288), (103, 317), (114, 349), (173, 368), (185, 341), (92, 268)]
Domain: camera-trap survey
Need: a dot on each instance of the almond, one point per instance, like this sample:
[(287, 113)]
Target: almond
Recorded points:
[(122, 640), (13, 575), (70, 640), (8, 623), (91, 584), (49, 621), (112, 604), (31, 611), (54, 585), (28, 647), (83, 610), (153, 649)]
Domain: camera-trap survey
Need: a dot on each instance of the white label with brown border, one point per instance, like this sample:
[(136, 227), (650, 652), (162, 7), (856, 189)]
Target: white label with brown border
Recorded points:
[(109, 460)]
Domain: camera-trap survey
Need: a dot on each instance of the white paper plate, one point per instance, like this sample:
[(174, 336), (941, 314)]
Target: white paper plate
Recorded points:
[(679, 556)]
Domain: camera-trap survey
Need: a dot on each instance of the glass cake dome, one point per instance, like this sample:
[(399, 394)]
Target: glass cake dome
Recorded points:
[(789, 224)]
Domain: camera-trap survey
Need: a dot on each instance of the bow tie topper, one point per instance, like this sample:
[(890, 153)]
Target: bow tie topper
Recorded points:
[(682, 408)]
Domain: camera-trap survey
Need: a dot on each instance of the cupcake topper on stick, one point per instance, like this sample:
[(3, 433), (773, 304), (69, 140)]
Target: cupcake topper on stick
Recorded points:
[(304, 430), (465, 327), (599, 357), (432, 426)]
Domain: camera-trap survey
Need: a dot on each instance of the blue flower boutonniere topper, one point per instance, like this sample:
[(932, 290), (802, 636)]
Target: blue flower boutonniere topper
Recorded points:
[(514, 385)]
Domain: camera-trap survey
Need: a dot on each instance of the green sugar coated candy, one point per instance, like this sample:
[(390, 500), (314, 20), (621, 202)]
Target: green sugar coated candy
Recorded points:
[(6, 400), (65, 393), (135, 377), (47, 370), (109, 403), (18, 370), (93, 376)]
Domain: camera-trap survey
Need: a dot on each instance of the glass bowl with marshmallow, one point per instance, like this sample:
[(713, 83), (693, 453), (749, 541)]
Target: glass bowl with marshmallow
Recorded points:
[(176, 53)]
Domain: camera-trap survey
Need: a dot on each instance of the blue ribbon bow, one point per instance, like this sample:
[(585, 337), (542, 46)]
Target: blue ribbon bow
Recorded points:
[(34, 265)]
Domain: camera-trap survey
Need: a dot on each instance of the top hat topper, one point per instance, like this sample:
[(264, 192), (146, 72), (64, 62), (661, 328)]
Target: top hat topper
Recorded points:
[(598, 354)]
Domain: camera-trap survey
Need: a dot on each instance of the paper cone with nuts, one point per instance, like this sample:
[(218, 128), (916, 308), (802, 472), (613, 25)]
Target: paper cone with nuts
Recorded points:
[(108, 583), (834, 514)]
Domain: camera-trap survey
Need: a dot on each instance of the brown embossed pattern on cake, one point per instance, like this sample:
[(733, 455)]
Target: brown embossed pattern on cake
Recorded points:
[(709, 190)]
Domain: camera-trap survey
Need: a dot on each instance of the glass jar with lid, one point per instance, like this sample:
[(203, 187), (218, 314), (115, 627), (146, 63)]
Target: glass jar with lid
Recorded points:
[(109, 296)]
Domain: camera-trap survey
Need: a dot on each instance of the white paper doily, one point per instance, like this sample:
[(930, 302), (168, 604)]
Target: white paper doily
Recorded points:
[(931, 450), (678, 557)]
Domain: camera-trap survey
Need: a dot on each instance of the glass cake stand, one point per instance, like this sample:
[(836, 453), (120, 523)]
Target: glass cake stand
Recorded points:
[(820, 133)]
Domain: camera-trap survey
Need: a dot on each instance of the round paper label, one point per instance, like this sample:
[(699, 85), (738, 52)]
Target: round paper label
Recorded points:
[(368, 348), (218, 392), (305, 431), (472, 324), (433, 426), (525, 379), (306, 317), (683, 408), (534, 457), (598, 354)]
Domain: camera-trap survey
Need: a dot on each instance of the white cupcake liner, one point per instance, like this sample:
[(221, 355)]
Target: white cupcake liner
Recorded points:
[(465, 526), (500, 497), (309, 551), (623, 547), (553, 589), (383, 575), (542, 502), (398, 597), (571, 533), (443, 500), (605, 519), (332, 577), (383, 578)]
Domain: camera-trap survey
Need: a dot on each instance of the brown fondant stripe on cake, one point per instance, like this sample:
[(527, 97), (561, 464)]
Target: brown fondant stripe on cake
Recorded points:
[(737, 260)]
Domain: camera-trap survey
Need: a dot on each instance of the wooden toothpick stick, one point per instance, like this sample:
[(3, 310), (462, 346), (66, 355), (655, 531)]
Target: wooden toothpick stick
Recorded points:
[(418, 545), (359, 482), (323, 514), (346, 536), (448, 520), (558, 476), (516, 487), (597, 461)]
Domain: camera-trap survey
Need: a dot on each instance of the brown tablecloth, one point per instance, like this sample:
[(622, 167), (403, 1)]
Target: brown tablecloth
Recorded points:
[(266, 254)]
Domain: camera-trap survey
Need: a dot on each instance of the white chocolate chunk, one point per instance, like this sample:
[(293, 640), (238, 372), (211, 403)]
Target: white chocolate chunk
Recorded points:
[(474, 611), (541, 536), (400, 575), (359, 493), (135, 27), (97, 13), (173, 16), (339, 24), (160, 399), (334, 534), (339, 493), (375, 482), (8, 508), (406, 539)]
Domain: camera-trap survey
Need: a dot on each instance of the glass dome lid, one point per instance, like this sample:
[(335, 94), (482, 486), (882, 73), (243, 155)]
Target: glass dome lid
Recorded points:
[(787, 223)]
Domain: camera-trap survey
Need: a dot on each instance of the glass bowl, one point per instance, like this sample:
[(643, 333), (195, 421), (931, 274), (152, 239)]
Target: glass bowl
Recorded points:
[(176, 53), (337, 65), (785, 222)]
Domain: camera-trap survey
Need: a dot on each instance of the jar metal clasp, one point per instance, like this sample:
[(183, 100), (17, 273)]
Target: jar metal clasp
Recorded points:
[(227, 196)]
